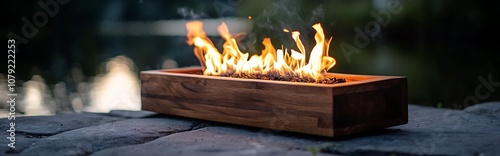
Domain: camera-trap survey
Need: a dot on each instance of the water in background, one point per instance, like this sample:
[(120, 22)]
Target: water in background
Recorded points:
[(116, 88)]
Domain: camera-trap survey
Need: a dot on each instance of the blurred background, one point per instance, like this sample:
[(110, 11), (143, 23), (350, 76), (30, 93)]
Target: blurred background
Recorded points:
[(76, 56)]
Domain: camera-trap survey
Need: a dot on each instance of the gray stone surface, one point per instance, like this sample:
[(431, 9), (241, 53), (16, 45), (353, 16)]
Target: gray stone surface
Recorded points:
[(30, 129), (131, 114), (491, 109), (219, 140), (86, 140), (430, 131), (50, 125), (22, 142)]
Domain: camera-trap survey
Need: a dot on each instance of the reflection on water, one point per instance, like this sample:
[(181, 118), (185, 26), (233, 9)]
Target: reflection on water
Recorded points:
[(118, 88), (36, 100), (169, 64)]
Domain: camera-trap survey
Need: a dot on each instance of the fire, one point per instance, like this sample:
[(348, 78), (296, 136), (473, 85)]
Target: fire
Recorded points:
[(271, 62)]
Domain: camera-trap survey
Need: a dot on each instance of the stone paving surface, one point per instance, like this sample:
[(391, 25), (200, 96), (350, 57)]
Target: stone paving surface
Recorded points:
[(430, 131)]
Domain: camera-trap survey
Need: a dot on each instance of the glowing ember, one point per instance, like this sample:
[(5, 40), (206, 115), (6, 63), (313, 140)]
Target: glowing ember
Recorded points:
[(273, 64)]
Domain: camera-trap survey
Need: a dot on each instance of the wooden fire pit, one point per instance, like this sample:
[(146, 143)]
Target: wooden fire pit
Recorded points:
[(362, 103)]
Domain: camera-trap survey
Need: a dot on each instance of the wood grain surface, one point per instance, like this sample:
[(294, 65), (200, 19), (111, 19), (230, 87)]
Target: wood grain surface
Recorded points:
[(362, 103)]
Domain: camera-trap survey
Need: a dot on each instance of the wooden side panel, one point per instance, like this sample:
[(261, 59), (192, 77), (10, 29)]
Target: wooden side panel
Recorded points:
[(357, 112), (274, 106), (368, 102)]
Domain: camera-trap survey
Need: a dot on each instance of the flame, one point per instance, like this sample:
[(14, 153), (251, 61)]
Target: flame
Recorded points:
[(272, 61)]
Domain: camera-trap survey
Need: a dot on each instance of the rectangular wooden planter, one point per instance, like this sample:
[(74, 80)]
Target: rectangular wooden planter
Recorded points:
[(363, 103)]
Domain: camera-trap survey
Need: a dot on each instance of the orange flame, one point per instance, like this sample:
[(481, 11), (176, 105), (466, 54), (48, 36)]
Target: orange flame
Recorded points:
[(283, 62)]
